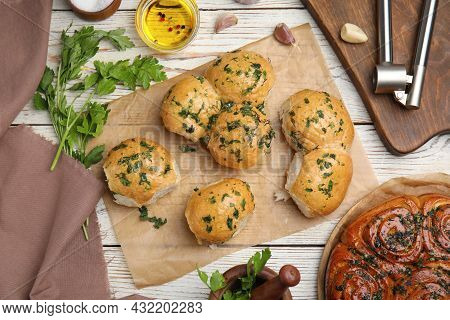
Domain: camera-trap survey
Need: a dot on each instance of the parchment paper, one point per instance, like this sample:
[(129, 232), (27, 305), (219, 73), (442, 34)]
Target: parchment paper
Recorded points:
[(158, 256), (413, 185)]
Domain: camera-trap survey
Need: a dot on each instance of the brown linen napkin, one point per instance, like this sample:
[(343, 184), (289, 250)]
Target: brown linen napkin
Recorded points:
[(24, 33), (43, 254)]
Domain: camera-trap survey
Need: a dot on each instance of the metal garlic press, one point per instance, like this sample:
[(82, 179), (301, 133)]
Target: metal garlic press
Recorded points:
[(393, 78)]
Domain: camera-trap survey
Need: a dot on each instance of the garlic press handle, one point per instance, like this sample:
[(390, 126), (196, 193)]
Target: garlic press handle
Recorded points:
[(421, 56)]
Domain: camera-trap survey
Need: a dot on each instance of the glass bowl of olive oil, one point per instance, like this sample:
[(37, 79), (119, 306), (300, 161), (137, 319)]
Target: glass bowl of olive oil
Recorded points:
[(167, 25)]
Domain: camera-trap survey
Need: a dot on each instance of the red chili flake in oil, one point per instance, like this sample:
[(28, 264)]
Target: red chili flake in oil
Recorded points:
[(162, 19), (178, 26), (170, 29)]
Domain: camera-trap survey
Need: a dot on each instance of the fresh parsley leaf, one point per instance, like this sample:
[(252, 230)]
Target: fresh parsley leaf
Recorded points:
[(90, 81), (94, 156), (215, 282), (39, 102), (105, 86), (118, 39)]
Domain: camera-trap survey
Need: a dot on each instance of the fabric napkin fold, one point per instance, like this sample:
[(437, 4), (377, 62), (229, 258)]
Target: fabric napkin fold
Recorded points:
[(43, 253)]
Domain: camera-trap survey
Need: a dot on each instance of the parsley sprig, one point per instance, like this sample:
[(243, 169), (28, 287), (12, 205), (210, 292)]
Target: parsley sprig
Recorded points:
[(73, 127), (254, 266)]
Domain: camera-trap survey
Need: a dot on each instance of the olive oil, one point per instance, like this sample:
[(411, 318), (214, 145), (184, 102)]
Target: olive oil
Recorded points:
[(167, 25)]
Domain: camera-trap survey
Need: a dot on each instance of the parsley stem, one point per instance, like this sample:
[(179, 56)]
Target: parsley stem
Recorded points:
[(62, 142)]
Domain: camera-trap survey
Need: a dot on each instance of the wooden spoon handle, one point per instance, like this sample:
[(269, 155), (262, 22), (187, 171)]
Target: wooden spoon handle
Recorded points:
[(273, 289)]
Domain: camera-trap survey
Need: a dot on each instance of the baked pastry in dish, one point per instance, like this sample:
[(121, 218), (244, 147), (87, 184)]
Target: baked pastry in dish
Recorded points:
[(398, 250)]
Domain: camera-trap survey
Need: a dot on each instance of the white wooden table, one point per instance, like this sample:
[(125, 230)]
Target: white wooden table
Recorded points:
[(303, 249)]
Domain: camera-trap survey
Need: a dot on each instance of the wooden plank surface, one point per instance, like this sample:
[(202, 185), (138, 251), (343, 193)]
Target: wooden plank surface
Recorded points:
[(303, 249)]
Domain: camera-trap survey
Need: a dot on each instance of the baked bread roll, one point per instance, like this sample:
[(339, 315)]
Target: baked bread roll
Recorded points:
[(312, 119), (139, 171), (189, 106), (396, 250), (219, 211), (240, 136), (318, 181), (241, 76)]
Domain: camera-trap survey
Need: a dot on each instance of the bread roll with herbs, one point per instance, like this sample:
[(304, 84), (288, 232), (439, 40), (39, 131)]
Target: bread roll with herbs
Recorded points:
[(240, 136), (313, 119), (318, 181), (219, 211), (139, 171), (241, 76), (189, 106)]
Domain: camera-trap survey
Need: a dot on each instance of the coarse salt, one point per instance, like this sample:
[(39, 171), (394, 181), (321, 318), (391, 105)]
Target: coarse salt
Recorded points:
[(91, 5)]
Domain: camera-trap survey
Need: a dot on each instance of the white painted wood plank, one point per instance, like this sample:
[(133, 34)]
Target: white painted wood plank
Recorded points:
[(434, 156), (190, 286), (204, 4), (253, 25)]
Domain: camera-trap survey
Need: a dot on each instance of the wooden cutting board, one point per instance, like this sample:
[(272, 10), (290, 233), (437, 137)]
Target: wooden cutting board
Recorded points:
[(401, 130)]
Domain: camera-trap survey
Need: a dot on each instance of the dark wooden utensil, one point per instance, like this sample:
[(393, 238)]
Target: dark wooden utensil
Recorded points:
[(401, 130), (274, 288), (270, 285)]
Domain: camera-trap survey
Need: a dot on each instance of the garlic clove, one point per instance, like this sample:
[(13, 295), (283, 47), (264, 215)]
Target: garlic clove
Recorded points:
[(353, 34), (225, 20), (283, 34)]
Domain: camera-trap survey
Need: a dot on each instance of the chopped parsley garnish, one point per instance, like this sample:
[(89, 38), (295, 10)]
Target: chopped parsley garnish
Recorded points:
[(187, 148), (230, 223), (143, 180), (200, 78), (207, 219), (123, 179), (167, 169), (243, 202), (320, 113), (120, 146), (157, 222), (144, 213)]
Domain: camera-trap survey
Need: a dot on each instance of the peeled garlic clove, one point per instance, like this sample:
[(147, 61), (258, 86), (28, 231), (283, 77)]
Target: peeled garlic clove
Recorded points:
[(283, 34), (353, 34), (247, 1), (225, 20)]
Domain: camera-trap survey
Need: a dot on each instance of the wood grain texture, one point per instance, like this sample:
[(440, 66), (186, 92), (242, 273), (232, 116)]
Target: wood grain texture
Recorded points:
[(401, 130), (205, 4)]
